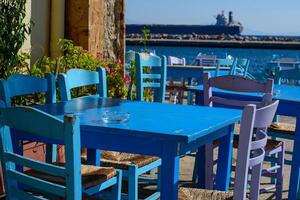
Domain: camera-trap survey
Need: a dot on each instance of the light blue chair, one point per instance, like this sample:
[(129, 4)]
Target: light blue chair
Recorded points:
[(20, 85), (227, 62), (132, 165), (70, 179), (151, 72), (240, 68)]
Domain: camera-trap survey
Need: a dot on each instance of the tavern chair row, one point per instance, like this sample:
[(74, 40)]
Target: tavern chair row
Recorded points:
[(132, 165)]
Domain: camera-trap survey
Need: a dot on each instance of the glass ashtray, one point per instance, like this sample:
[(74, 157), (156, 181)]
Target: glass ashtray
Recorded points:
[(115, 116)]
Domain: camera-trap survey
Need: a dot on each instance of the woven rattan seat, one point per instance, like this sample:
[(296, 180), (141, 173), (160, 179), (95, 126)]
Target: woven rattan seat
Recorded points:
[(197, 194), (91, 175), (282, 127), (123, 160)]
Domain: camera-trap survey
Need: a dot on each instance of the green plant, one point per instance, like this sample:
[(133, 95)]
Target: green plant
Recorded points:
[(13, 33), (76, 57), (145, 38)]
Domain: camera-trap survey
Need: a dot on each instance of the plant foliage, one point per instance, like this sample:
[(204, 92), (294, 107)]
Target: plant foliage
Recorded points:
[(13, 32)]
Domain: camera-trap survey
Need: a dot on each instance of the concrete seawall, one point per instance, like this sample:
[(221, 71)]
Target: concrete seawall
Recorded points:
[(218, 43)]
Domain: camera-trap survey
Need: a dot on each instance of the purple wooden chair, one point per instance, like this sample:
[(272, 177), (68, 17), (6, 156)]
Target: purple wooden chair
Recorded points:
[(250, 156), (240, 84)]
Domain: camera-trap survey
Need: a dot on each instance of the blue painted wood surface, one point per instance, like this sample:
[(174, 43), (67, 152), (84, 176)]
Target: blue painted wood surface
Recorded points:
[(175, 132), (289, 105)]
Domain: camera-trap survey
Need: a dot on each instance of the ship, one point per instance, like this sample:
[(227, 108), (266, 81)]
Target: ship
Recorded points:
[(223, 26)]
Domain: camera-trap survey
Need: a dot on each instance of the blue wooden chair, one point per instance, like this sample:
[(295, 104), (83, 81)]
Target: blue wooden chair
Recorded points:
[(43, 180), (132, 165), (20, 85), (281, 129), (240, 84), (151, 72), (227, 62), (250, 156), (240, 67)]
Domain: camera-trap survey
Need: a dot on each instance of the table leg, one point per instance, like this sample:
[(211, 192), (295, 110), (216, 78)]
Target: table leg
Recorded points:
[(224, 160), (93, 157), (294, 192), (169, 172), (200, 159), (199, 98)]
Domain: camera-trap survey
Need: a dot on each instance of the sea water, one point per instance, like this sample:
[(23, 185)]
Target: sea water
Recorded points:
[(259, 58)]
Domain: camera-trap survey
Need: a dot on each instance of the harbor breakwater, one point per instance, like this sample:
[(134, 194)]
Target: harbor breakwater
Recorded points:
[(220, 41)]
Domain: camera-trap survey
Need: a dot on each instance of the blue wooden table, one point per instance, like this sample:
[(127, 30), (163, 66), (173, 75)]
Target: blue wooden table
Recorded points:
[(163, 130), (289, 105)]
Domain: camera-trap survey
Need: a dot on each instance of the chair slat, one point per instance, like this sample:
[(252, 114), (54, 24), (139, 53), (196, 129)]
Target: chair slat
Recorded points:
[(82, 77), (233, 102), (258, 158), (148, 60), (150, 85), (240, 84), (152, 76), (21, 117), (36, 182), (36, 165)]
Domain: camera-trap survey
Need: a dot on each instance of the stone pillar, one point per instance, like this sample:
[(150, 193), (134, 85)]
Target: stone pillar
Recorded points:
[(97, 26)]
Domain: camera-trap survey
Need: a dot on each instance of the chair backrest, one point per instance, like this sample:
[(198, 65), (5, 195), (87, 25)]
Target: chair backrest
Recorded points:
[(252, 140), (151, 72), (75, 78), (235, 84), (286, 75), (19, 84), (46, 126), (227, 62), (240, 67), (176, 61)]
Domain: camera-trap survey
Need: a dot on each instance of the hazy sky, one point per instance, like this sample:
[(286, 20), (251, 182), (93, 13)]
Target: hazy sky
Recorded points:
[(257, 16)]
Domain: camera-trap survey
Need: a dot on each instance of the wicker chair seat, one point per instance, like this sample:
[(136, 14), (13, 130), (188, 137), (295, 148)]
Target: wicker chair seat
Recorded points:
[(197, 194), (91, 175), (124, 160), (282, 127)]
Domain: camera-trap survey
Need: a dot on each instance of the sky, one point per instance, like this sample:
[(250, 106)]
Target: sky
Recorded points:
[(262, 17)]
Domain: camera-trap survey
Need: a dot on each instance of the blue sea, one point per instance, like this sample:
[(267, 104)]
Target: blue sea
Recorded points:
[(259, 58)]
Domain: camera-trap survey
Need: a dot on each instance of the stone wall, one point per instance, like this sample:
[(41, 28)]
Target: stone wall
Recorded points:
[(114, 34), (97, 25)]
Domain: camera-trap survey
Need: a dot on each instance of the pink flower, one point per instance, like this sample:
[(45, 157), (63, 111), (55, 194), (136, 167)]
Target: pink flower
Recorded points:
[(98, 54), (119, 61), (127, 79), (107, 69)]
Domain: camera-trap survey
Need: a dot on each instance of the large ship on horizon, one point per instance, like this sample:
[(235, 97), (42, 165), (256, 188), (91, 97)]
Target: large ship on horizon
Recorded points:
[(223, 26)]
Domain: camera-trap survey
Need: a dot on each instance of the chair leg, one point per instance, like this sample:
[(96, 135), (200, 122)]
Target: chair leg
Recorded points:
[(280, 173), (255, 181), (209, 165), (117, 188), (132, 182), (158, 178), (195, 171), (273, 163)]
